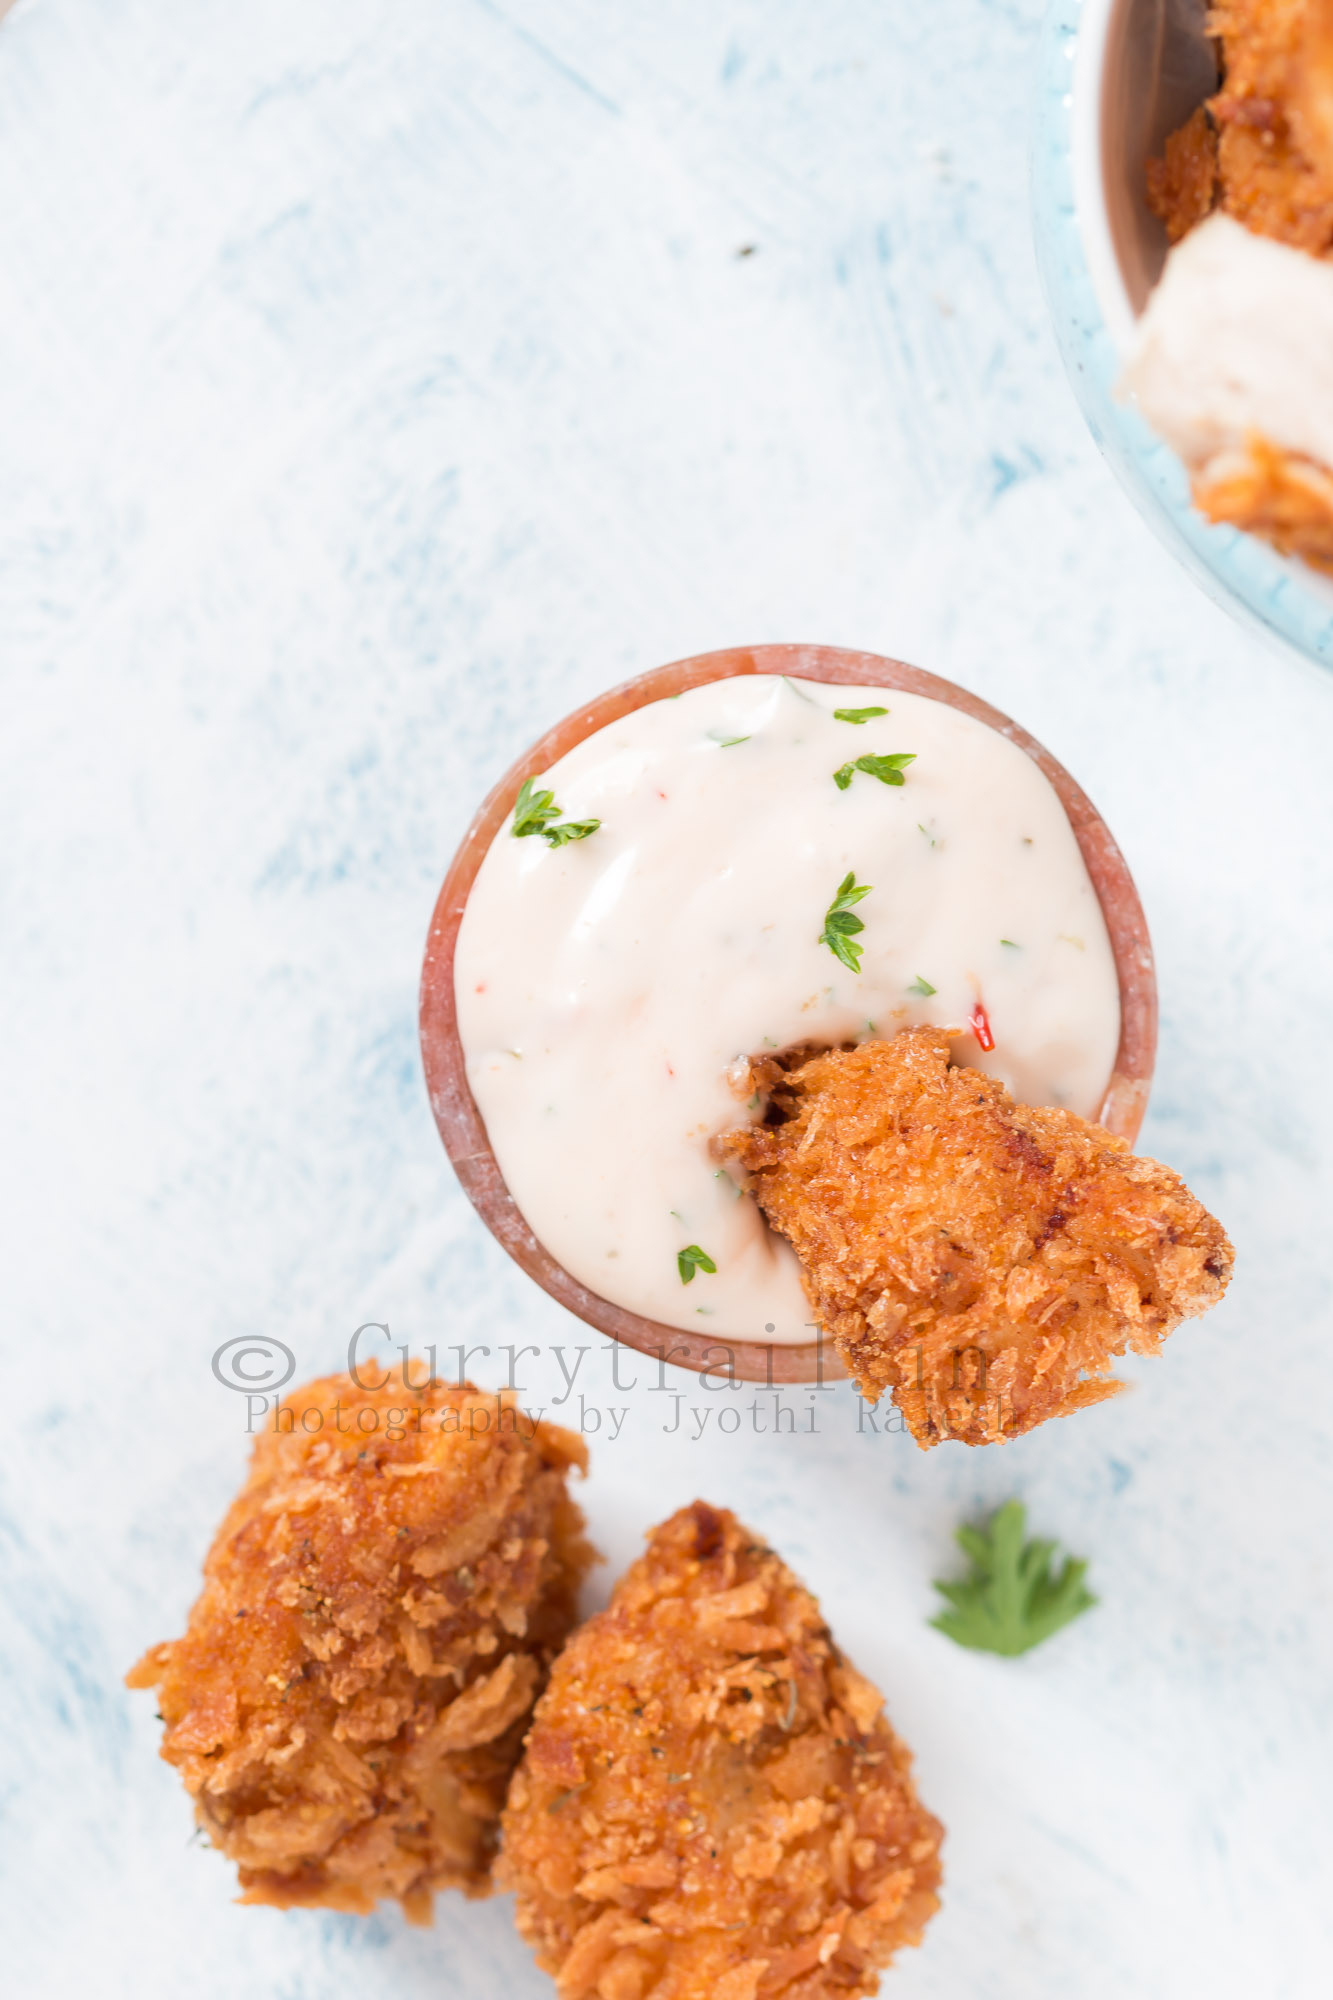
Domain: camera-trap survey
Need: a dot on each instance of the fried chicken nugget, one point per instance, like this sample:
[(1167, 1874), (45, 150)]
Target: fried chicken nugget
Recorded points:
[(982, 1260), (1274, 493), (711, 1804), (1312, 97), (1268, 180), (1263, 146), (380, 1609), (1182, 185)]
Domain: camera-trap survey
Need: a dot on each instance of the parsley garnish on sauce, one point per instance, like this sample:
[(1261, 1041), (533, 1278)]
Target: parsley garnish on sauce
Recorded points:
[(532, 809), (920, 985), (532, 812), (857, 714), (889, 770), (1013, 1597), (840, 926), (570, 829), (692, 1259)]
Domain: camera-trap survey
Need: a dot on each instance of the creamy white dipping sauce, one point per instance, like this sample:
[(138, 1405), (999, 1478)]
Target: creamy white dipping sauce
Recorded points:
[(605, 987), (1237, 338)]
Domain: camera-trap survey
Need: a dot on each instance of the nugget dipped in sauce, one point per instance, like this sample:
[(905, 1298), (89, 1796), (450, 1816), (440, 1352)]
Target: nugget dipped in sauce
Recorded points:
[(711, 1804), (380, 1609), (984, 1261)]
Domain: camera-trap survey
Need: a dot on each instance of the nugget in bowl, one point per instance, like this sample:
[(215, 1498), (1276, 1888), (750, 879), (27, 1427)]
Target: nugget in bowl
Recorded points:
[(380, 1609), (1232, 358), (711, 1804)]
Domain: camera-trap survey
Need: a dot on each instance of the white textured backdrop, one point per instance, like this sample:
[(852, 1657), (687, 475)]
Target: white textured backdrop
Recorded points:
[(376, 382)]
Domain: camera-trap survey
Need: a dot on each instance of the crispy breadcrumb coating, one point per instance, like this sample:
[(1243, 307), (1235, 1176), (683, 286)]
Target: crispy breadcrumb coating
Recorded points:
[(1312, 98), (1266, 178), (1257, 149), (982, 1260), (380, 1609), (711, 1804), (1182, 185), (1274, 493)]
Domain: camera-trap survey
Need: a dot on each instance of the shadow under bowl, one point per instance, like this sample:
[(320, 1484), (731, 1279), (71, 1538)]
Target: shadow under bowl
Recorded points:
[(460, 1123)]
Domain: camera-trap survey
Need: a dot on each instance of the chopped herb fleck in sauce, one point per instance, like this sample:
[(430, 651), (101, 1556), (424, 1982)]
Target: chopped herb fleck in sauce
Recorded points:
[(692, 1259), (888, 769), (533, 812), (841, 925)]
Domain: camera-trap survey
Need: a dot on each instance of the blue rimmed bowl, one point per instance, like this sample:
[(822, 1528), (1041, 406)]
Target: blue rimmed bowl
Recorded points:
[(1116, 77)]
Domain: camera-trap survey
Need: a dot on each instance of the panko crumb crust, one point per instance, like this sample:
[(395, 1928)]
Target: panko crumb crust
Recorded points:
[(1260, 148), (380, 1610), (983, 1261), (1285, 498), (1182, 184), (711, 1803)]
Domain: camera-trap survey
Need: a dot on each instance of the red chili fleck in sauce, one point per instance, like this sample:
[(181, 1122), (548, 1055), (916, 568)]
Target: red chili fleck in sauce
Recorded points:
[(979, 1022)]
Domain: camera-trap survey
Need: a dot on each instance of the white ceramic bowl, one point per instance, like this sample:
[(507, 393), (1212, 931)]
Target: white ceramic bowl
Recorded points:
[(1116, 77)]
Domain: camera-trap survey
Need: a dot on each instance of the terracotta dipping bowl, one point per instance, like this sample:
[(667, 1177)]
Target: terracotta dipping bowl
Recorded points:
[(460, 1122)]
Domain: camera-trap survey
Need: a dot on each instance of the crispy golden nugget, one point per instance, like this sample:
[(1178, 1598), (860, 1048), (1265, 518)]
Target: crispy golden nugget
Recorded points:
[(1268, 181), (1182, 185), (982, 1260), (1261, 147), (1274, 493), (380, 1610), (711, 1804), (1312, 97)]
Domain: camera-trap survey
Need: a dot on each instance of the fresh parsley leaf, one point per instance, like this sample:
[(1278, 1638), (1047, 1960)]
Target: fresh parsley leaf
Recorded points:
[(1012, 946), (728, 742), (857, 714), (841, 926), (692, 1259), (1013, 1598), (920, 985), (889, 770), (569, 829), (532, 809)]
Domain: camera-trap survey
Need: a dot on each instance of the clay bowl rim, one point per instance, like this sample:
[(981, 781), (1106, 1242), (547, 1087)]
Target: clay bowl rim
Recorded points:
[(455, 1111)]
